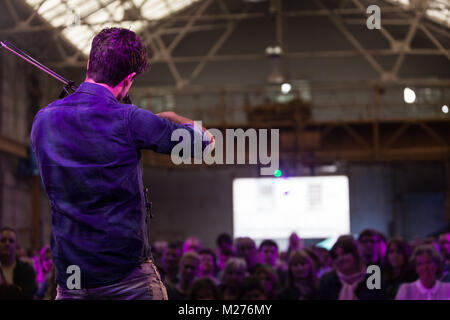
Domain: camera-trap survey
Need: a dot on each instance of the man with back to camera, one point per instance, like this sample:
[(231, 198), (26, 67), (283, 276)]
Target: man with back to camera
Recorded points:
[(88, 150)]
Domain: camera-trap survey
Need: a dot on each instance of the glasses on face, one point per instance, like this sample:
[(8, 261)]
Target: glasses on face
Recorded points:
[(5, 240)]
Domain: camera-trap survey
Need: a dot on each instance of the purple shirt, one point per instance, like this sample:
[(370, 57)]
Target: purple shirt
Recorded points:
[(88, 150)]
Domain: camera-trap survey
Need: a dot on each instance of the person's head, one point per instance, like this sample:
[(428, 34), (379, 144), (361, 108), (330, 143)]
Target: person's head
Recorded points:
[(368, 241), (189, 264), (192, 244), (234, 272), (397, 256), (8, 243), (252, 289), (207, 262), (345, 256), (171, 257), (117, 56), (268, 279), (427, 262), (224, 242), (204, 289), (224, 255), (301, 268), (246, 249), (444, 244), (268, 252)]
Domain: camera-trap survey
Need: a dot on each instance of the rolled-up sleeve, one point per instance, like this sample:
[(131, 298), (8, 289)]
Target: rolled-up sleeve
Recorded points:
[(148, 131)]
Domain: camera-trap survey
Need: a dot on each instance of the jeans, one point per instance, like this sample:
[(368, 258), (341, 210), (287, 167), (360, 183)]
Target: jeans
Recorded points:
[(144, 283)]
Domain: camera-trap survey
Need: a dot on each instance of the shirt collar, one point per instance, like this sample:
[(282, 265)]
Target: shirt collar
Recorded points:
[(424, 290), (96, 90)]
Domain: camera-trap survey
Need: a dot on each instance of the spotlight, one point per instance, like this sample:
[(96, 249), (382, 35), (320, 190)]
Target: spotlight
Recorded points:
[(409, 95), (286, 88), (444, 109)]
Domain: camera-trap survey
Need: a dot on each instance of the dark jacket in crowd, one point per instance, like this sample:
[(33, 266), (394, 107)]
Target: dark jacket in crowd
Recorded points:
[(391, 285), (24, 286), (330, 286)]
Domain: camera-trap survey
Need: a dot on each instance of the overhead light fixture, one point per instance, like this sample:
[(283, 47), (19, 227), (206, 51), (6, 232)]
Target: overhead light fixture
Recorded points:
[(409, 95), (444, 108)]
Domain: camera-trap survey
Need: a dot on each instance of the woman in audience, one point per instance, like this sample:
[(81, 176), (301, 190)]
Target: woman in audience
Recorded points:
[(397, 269), (204, 289), (348, 279), (231, 279), (189, 266), (428, 264), (302, 282)]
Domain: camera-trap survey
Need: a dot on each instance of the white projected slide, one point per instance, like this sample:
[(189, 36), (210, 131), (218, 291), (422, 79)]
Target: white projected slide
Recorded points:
[(314, 207)]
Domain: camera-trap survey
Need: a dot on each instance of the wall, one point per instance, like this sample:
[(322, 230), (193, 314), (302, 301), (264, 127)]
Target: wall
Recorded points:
[(394, 199)]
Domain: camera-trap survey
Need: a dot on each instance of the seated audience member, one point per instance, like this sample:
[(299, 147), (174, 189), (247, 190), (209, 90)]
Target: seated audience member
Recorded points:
[(444, 249), (269, 280), (171, 263), (189, 264), (268, 255), (428, 264), (224, 242), (204, 289), (207, 266), (369, 247), (252, 289), (22, 255), (43, 264), (15, 272), (192, 244), (348, 279), (231, 278), (302, 282), (397, 269), (246, 249)]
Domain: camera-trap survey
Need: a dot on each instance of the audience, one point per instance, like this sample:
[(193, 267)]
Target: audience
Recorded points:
[(428, 264), (244, 271), (17, 276), (189, 266), (397, 269), (347, 281), (231, 278), (302, 282)]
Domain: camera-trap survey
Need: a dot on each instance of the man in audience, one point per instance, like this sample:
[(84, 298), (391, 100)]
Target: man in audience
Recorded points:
[(246, 249), (268, 254), (368, 243), (15, 273), (207, 263)]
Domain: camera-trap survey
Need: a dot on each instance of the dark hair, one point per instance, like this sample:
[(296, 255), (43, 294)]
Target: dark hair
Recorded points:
[(405, 251), (268, 243), (224, 238), (368, 233), (347, 245), (251, 283), (116, 53)]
